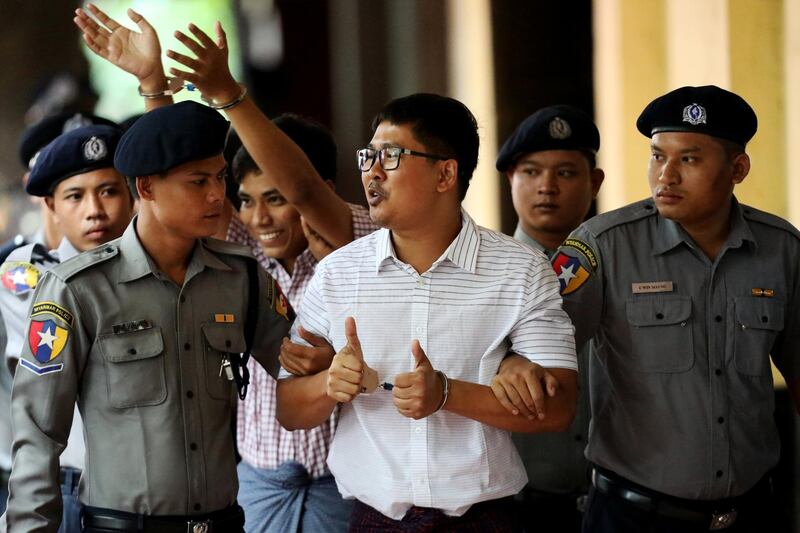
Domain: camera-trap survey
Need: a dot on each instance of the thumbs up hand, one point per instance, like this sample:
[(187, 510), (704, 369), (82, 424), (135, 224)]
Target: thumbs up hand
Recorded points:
[(347, 368), (418, 393)]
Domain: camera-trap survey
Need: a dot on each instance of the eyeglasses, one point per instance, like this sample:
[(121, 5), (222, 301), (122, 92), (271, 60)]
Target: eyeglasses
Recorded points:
[(389, 157)]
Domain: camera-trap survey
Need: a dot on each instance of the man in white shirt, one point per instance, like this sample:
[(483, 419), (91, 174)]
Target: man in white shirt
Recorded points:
[(436, 451)]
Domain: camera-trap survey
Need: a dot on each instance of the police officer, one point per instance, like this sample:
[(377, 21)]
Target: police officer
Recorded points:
[(686, 295), (91, 203), (144, 333), (550, 164), (31, 143)]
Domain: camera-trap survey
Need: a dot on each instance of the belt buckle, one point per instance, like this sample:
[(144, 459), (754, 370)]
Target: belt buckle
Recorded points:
[(722, 520), (199, 526)]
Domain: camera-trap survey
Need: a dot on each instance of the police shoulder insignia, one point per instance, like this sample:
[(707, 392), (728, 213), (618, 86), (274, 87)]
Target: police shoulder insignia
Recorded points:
[(47, 337), (570, 270), (280, 303), (19, 277)]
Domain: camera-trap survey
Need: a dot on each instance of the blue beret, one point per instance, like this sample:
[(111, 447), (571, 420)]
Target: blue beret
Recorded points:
[(40, 134), (557, 127), (170, 136), (75, 152), (708, 110)]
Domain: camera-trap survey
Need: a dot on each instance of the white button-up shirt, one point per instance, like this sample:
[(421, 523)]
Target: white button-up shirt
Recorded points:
[(485, 296)]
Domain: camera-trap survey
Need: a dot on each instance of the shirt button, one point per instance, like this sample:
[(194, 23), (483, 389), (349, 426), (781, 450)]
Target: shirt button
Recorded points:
[(132, 351), (183, 299), (418, 430), (721, 419), (419, 329), (197, 507), (719, 473), (659, 315), (189, 394), (187, 346), (718, 318), (193, 446), (420, 283), (683, 324), (578, 438), (718, 372)]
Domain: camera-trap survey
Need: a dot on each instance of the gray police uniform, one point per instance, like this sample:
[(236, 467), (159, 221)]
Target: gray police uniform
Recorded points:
[(555, 461), (681, 388), (15, 307), (143, 358)]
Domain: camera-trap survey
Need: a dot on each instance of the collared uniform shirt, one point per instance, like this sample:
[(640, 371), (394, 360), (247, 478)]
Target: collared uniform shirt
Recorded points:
[(485, 296), (555, 462), (681, 387), (262, 441), (15, 302), (142, 356)]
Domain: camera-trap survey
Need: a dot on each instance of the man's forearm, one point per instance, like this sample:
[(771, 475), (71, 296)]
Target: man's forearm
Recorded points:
[(302, 402), (478, 402)]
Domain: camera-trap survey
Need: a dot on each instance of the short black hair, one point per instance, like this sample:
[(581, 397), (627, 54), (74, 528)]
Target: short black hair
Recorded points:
[(312, 137), (444, 125)]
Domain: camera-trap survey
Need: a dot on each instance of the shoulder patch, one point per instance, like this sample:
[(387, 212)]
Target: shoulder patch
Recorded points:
[(570, 270), (629, 213), (756, 215), (19, 277), (279, 302), (86, 260), (226, 247)]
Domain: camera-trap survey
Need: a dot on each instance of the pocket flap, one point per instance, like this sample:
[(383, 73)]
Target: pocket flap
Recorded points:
[(658, 311), (131, 346), (759, 313), (224, 337)]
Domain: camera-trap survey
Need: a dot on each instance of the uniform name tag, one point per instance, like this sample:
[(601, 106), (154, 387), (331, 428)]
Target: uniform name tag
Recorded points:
[(651, 286)]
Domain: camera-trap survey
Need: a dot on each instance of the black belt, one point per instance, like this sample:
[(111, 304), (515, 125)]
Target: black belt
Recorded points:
[(4, 476), (716, 515), (223, 521)]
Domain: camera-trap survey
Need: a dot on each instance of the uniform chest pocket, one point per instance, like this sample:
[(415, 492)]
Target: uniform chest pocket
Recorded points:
[(134, 367), (220, 340), (758, 323), (661, 333)]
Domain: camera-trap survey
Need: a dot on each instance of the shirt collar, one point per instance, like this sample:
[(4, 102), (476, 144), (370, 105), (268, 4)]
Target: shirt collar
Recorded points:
[(65, 250), (463, 251), (670, 234), (524, 238), (137, 264)]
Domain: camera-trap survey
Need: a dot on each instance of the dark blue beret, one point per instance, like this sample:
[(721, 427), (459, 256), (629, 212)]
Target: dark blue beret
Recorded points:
[(40, 134), (557, 127), (170, 136), (75, 152), (708, 110)]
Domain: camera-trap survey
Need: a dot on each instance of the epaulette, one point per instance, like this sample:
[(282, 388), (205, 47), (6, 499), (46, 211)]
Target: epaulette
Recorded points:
[(29, 253), (756, 215), (227, 247), (624, 215), (86, 260)]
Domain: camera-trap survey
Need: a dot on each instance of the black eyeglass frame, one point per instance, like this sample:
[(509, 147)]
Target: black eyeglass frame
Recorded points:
[(380, 156)]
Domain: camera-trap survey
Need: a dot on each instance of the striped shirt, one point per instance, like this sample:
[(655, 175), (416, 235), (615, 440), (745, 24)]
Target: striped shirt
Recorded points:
[(485, 296), (262, 441)]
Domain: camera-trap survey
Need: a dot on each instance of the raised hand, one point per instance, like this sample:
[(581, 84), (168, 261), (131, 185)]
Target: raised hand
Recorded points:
[(347, 368), (209, 72), (302, 360), (418, 393), (138, 53), (520, 386), (318, 246)]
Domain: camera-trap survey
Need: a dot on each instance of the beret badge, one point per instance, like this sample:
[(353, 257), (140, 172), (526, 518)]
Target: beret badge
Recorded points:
[(694, 114), (559, 128), (94, 149)]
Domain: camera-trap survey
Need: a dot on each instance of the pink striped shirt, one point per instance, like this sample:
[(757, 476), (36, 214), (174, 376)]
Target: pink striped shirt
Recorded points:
[(262, 441)]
